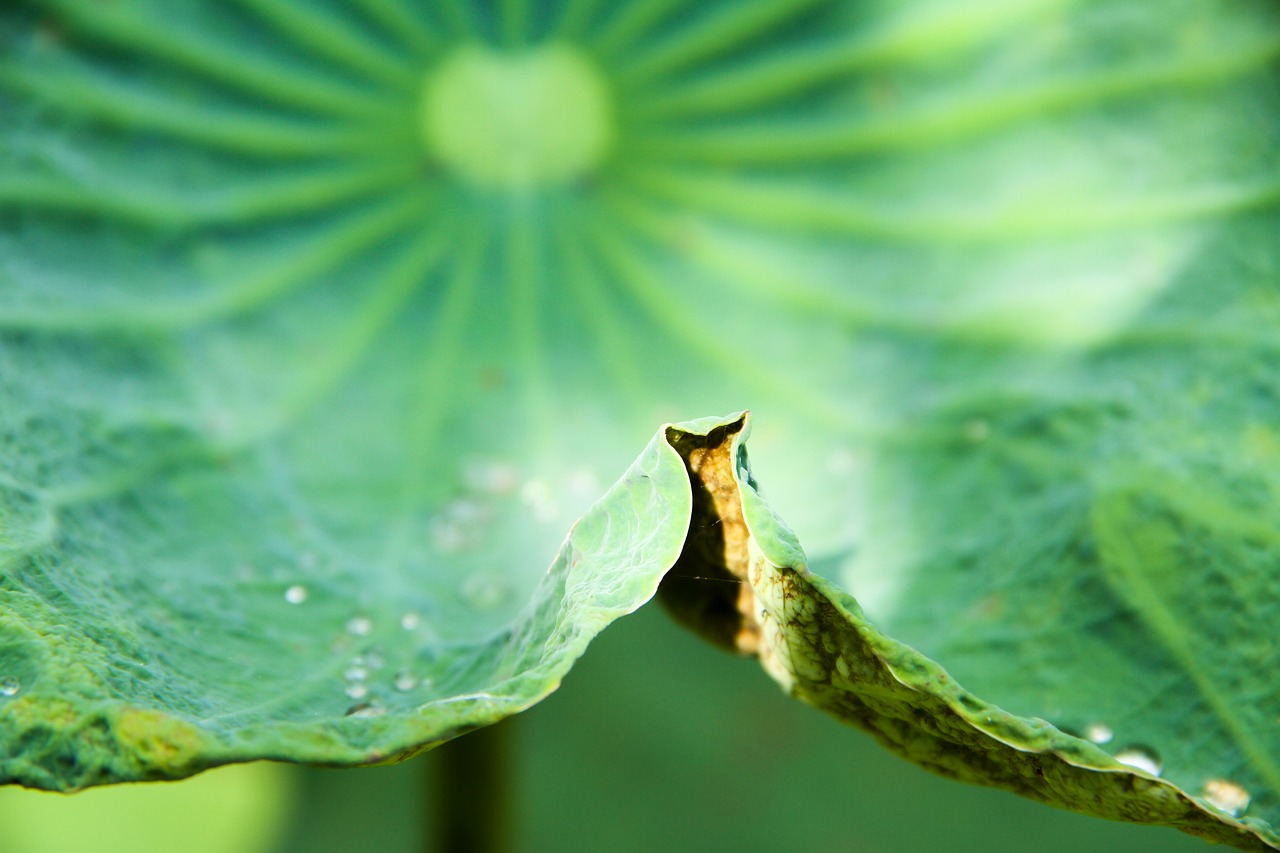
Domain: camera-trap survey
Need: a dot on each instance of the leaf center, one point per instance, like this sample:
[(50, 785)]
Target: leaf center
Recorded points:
[(517, 120)]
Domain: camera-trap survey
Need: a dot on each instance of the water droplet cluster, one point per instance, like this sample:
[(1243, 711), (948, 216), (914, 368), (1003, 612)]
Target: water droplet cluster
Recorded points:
[(537, 496), (362, 674), (459, 524)]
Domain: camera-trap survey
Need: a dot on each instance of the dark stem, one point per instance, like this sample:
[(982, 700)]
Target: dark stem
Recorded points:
[(473, 792)]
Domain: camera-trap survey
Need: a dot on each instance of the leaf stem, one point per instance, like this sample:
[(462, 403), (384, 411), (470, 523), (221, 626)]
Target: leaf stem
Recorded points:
[(472, 800)]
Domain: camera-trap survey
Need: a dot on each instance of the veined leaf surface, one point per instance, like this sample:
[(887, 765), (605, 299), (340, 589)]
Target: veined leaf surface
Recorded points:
[(320, 324)]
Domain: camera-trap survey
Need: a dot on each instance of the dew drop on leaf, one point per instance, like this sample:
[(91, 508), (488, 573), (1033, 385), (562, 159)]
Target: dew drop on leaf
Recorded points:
[(360, 626), (9, 686), (357, 690), (410, 621), (366, 709), (457, 525), (1140, 758), (295, 594), (536, 495), (485, 592), (1228, 796), (1099, 733), (405, 681)]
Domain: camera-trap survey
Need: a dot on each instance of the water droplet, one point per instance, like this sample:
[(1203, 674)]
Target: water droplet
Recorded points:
[(485, 592), (536, 495), (1099, 733), (296, 594), (1228, 796), (456, 526), (360, 626), (356, 673), (410, 621), (9, 686), (1141, 758), (486, 475), (405, 681), (366, 709), (357, 690)]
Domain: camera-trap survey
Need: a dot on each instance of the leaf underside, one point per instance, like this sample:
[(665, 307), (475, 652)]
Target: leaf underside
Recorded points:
[(299, 394)]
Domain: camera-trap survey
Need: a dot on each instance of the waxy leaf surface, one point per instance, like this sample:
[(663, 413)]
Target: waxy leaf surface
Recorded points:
[(321, 323)]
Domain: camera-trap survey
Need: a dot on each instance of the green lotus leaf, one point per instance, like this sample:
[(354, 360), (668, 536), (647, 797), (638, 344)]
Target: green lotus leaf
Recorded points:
[(321, 323)]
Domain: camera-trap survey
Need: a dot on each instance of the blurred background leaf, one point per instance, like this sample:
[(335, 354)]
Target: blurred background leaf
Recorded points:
[(244, 808)]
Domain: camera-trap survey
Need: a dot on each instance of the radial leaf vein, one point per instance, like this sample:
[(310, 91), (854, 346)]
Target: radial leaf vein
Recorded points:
[(397, 20), (1124, 559), (929, 31), (317, 256), (758, 81), (323, 251), (515, 22), (597, 313), (774, 204), (645, 285), (809, 209), (461, 18), (329, 38), (341, 355), (754, 274), (713, 34), (131, 105), (945, 119), (437, 389), (575, 18), (197, 207), (251, 74), (631, 23), (524, 277)]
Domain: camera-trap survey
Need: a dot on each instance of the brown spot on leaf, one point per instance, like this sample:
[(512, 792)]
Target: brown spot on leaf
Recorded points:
[(707, 589)]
